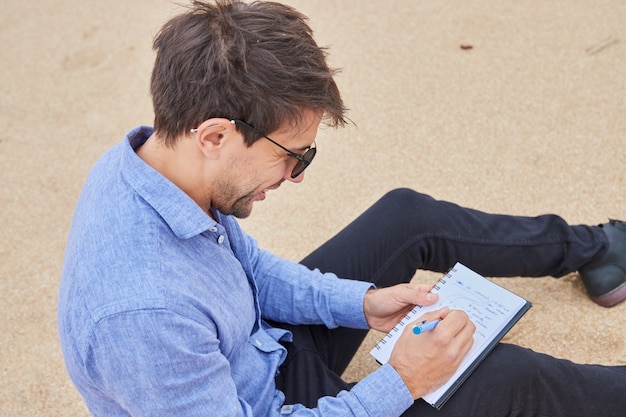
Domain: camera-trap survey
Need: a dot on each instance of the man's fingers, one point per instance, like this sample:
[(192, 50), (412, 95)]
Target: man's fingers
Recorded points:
[(420, 294)]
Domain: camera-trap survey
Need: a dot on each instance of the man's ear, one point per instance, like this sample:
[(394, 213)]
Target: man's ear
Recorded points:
[(212, 133)]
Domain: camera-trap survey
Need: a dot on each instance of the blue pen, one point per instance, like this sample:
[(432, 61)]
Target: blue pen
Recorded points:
[(425, 326)]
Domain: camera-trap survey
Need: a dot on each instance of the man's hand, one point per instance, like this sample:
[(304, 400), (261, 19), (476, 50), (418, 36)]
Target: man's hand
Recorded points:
[(426, 361), (385, 307)]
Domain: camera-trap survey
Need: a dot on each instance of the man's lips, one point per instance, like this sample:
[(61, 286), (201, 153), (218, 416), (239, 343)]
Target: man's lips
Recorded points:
[(261, 196)]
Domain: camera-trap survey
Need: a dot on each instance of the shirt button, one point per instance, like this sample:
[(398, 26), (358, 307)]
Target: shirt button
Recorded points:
[(213, 229), (220, 239)]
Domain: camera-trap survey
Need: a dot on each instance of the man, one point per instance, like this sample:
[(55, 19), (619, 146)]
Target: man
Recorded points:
[(167, 308)]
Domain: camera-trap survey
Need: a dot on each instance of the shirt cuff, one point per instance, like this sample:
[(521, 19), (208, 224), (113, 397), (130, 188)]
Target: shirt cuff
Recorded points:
[(383, 393), (346, 303)]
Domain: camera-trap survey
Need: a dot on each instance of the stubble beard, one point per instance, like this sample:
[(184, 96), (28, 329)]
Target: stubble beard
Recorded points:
[(228, 199)]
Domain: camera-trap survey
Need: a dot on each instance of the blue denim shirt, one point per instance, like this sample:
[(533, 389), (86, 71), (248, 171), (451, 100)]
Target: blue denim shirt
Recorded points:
[(161, 308)]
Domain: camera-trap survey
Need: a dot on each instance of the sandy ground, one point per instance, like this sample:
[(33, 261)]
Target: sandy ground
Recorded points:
[(512, 107)]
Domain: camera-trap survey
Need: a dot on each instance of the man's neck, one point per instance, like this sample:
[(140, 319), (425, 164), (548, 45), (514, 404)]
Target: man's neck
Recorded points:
[(180, 164)]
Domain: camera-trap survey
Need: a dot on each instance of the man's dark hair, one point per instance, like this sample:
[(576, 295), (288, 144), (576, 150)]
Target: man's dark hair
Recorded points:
[(255, 62)]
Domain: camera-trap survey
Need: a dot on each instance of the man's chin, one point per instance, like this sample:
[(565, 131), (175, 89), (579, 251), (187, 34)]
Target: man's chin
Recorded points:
[(242, 207), (241, 211), (241, 215)]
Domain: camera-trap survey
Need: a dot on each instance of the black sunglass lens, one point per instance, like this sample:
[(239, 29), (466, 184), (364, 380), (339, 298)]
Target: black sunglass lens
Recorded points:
[(297, 169), (302, 165)]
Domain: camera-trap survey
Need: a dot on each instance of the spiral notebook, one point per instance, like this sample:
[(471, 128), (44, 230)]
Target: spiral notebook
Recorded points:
[(493, 309)]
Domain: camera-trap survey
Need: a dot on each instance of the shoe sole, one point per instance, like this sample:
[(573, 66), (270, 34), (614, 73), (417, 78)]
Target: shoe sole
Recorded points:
[(612, 298)]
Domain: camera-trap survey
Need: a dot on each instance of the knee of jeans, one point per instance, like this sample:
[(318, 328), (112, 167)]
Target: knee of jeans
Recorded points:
[(405, 211), (405, 198)]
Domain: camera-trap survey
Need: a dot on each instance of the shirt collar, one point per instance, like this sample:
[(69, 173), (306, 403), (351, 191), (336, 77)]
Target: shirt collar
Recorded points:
[(178, 210)]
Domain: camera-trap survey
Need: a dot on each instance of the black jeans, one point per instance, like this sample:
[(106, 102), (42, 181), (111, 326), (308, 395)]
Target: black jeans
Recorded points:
[(405, 231)]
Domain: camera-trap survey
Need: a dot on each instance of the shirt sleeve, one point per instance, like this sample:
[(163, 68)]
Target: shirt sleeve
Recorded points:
[(380, 394), (290, 292)]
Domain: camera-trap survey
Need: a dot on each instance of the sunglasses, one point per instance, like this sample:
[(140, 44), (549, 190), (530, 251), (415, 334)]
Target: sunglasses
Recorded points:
[(304, 160)]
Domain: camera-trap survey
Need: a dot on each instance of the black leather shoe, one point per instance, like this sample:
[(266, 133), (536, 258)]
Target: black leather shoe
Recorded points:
[(605, 280)]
